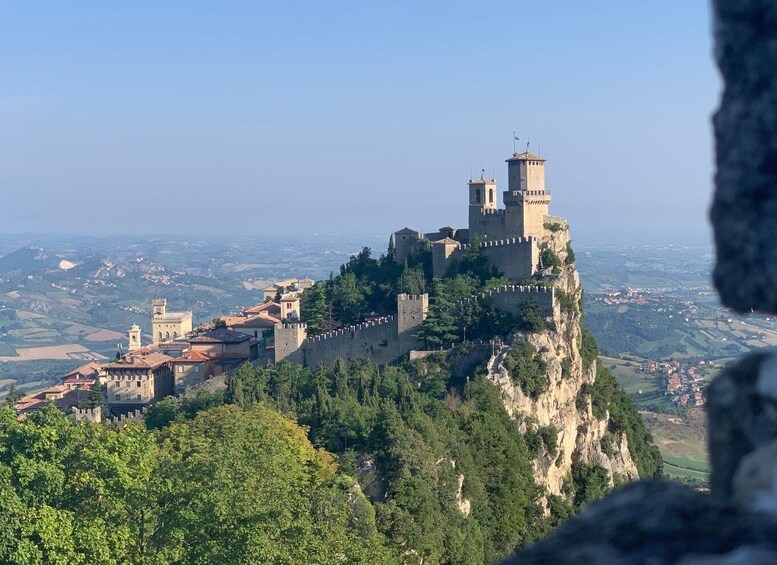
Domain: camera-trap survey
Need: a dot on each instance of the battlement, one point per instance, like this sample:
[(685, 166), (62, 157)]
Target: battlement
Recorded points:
[(410, 296), (351, 329), (133, 415), (502, 242), (90, 414), (492, 211), (293, 326), (511, 297)]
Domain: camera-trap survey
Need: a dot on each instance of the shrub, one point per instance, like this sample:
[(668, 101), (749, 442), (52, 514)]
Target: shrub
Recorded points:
[(549, 258), (570, 254), (527, 368)]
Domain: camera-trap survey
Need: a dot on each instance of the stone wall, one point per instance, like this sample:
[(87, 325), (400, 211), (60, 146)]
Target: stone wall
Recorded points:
[(377, 339), (511, 298), (486, 222)]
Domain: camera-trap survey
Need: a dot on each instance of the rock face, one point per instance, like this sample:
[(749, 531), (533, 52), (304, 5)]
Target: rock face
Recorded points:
[(580, 433)]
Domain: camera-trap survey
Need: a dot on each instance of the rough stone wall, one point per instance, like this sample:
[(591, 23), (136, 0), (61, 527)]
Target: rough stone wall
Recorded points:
[(744, 210), (377, 340)]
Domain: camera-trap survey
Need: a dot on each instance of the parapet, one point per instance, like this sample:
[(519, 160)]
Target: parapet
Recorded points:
[(492, 211), (350, 329), (292, 325), (508, 241), (410, 296)]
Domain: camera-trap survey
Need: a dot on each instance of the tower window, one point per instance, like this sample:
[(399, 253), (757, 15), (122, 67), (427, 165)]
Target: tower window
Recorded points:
[(491, 196), (477, 196)]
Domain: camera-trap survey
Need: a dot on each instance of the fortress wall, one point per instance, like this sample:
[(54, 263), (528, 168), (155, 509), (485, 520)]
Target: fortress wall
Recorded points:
[(376, 339), (487, 222), (511, 298), (518, 258)]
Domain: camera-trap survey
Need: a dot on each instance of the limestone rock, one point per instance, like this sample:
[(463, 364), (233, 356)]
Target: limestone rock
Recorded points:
[(744, 211), (579, 432)]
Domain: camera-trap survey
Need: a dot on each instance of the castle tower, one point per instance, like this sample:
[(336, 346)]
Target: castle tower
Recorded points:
[(134, 338), (526, 200), (411, 313), (288, 341)]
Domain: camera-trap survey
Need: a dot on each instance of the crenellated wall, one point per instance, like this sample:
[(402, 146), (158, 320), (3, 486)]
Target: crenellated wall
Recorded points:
[(518, 258), (511, 298), (376, 339)]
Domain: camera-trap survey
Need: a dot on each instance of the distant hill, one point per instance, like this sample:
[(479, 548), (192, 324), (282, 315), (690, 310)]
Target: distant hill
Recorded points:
[(28, 261)]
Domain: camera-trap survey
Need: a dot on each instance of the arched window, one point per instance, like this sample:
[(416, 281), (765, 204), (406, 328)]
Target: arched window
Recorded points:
[(167, 335), (477, 196), (160, 336), (491, 196)]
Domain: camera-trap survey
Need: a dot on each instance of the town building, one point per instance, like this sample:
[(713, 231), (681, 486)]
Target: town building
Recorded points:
[(226, 348), (287, 285), (167, 325), (137, 380), (190, 369)]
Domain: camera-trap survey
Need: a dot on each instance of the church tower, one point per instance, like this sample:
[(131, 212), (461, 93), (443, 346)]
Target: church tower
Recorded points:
[(134, 338), (526, 200)]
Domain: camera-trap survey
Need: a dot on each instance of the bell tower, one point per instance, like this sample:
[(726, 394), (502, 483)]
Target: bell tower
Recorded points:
[(134, 338)]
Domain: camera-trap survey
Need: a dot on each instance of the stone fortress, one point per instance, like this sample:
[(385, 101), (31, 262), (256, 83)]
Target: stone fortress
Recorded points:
[(512, 238)]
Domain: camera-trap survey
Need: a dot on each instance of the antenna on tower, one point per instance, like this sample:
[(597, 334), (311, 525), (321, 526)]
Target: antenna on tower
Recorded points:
[(482, 173), (515, 138), (527, 146)]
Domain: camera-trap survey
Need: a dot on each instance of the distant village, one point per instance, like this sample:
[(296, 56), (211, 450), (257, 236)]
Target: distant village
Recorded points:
[(685, 383), (179, 356)]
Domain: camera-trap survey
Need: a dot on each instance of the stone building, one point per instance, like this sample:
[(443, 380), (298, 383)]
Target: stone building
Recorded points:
[(510, 236), (137, 380), (226, 348), (168, 325)]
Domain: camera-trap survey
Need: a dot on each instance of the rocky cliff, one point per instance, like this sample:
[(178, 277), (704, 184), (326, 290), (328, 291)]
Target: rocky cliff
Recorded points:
[(563, 407)]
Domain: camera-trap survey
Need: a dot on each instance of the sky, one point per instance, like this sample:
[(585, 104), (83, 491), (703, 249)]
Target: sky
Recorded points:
[(303, 117)]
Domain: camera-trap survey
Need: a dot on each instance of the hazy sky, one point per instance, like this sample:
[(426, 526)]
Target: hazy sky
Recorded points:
[(257, 117)]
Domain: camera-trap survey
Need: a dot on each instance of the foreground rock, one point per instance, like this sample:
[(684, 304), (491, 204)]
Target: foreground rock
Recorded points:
[(659, 522)]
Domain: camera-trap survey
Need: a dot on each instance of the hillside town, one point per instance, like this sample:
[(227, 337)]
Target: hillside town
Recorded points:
[(179, 356)]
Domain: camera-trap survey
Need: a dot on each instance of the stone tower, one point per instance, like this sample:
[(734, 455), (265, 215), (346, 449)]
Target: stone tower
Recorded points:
[(526, 200), (411, 313), (159, 307), (288, 340), (134, 338)]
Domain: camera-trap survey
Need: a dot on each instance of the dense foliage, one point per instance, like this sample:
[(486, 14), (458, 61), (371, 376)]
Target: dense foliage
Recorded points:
[(229, 486), (421, 427)]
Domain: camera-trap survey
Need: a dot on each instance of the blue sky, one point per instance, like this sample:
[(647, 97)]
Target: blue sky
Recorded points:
[(299, 117)]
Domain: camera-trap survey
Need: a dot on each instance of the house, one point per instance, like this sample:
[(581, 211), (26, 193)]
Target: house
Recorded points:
[(257, 326), (271, 291), (269, 308), (226, 348), (137, 380), (65, 396), (190, 369)]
